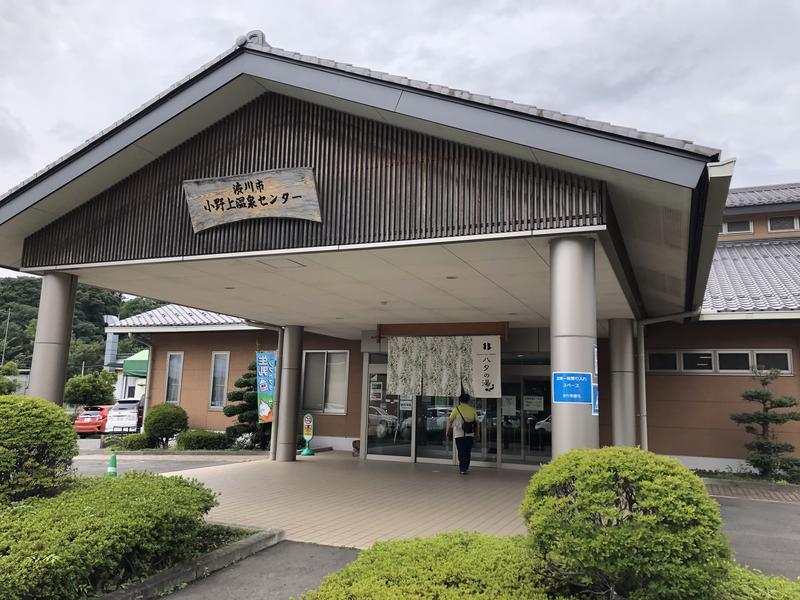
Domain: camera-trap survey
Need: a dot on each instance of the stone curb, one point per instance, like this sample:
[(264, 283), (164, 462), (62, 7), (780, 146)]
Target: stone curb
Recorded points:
[(200, 567), (761, 485)]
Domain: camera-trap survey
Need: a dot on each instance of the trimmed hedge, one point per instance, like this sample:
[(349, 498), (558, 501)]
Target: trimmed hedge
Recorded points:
[(165, 421), (99, 533), (745, 584), (627, 522), (137, 441), (447, 566), (200, 439), (37, 443)]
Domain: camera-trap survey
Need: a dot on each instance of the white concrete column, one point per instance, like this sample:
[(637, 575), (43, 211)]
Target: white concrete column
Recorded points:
[(53, 333), (623, 399), (573, 336), (289, 399)]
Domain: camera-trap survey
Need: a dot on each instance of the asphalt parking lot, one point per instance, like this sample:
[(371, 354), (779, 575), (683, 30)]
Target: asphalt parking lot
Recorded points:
[(92, 461)]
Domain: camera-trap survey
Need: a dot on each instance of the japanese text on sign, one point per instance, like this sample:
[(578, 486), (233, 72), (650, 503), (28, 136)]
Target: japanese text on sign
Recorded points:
[(288, 193), (265, 384), (575, 388), (486, 366)]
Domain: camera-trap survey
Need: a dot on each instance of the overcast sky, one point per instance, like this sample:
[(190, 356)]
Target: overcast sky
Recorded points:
[(722, 73)]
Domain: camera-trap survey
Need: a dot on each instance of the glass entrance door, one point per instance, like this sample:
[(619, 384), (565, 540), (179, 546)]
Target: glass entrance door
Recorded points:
[(388, 420), (484, 450), (526, 435), (431, 420)]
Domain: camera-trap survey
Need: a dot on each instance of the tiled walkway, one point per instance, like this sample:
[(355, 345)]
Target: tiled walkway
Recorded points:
[(335, 499), (723, 488)]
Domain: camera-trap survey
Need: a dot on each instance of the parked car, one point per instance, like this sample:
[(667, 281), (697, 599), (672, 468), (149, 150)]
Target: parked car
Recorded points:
[(545, 425), (381, 423), (124, 417), (91, 420)]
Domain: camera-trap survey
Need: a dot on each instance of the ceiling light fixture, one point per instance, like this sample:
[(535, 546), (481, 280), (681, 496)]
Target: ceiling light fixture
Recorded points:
[(229, 288), (451, 277)]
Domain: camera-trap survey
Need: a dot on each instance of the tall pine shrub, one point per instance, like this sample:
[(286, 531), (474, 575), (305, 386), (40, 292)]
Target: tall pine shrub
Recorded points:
[(766, 454), (243, 404)]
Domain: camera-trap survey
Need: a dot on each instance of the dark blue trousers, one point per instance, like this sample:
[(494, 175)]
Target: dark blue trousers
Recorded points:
[(464, 448)]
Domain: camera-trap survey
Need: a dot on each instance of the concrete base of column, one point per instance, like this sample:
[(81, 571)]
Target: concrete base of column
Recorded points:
[(53, 333), (623, 399), (289, 399)]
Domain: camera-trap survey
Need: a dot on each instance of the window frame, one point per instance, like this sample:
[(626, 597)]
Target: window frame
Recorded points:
[(748, 371), (180, 378), (751, 352), (794, 223), (325, 379), (214, 354), (674, 353), (713, 368), (786, 351), (749, 227)]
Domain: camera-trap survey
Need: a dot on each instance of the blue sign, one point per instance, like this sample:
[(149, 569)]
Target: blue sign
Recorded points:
[(595, 400), (572, 388), (265, 384)]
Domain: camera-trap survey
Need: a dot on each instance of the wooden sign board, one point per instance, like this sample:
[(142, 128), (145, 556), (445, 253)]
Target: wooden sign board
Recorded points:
[(281, 193)]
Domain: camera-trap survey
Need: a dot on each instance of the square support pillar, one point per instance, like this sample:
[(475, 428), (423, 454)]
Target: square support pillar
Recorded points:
[(623, 383), (53, 333), (289, 398), (573, 336)]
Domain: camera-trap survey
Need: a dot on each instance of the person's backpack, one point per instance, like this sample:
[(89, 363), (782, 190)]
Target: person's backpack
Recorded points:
[(467, 426)]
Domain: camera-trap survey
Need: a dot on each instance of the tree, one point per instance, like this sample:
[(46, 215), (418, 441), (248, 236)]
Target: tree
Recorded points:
[(243, 404), (137, 306), (8, 386), (96, 389), (766, 453)]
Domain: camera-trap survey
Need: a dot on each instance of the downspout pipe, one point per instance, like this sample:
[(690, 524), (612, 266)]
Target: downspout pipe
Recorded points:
[(642, 382)]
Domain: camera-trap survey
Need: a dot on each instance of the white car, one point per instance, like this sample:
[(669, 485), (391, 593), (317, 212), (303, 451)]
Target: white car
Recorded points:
[(381, 423), (545, 424), (123, 417)]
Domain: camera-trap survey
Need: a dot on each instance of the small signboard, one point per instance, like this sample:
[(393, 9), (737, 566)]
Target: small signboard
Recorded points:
[(533, 403), (486, 366), (595, 400), (265, 384), (288, 193), (308, 427), (406, 404), (572, 387), (509, 405), (375, 392)]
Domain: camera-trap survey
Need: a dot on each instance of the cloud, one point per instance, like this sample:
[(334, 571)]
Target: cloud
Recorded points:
[(720, 74)]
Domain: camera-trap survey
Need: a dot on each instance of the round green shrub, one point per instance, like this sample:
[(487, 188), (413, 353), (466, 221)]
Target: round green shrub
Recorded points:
[(37, 443), (626, 522), (137, 441), (745, 584), (200, 439), (447, 566), (165, 421)]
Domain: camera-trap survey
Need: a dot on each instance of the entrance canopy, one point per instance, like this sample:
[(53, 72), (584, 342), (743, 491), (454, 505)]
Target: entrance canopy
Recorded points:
[(398, 163)]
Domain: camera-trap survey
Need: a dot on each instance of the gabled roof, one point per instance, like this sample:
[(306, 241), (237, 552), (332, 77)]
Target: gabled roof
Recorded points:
[(174, 317), (256, 40), (763, 195), (755, 276)]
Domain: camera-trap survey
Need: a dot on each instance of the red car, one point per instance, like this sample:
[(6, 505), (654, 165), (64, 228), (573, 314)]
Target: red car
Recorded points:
[(91, 420)]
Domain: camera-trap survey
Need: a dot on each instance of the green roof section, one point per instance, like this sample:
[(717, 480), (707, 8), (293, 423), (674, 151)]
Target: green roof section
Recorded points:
[(136, 365)]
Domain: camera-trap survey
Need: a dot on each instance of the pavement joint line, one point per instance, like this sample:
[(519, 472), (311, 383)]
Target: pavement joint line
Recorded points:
[(753, 499)]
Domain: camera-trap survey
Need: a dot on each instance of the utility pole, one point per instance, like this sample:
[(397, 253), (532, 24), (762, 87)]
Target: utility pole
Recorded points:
[(5, 338)]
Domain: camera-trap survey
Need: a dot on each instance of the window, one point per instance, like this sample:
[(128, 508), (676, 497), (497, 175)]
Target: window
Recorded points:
[(773, 360), (325, 381), (737, 227), (663, 361), (219, 379), (733, 361), (698, 361), (174, 373), (782, 223)]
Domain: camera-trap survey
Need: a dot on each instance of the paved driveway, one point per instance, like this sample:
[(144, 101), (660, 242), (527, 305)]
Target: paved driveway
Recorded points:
[(334, 499)]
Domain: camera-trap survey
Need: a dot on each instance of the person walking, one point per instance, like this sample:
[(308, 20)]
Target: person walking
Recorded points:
[(466, 429)]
